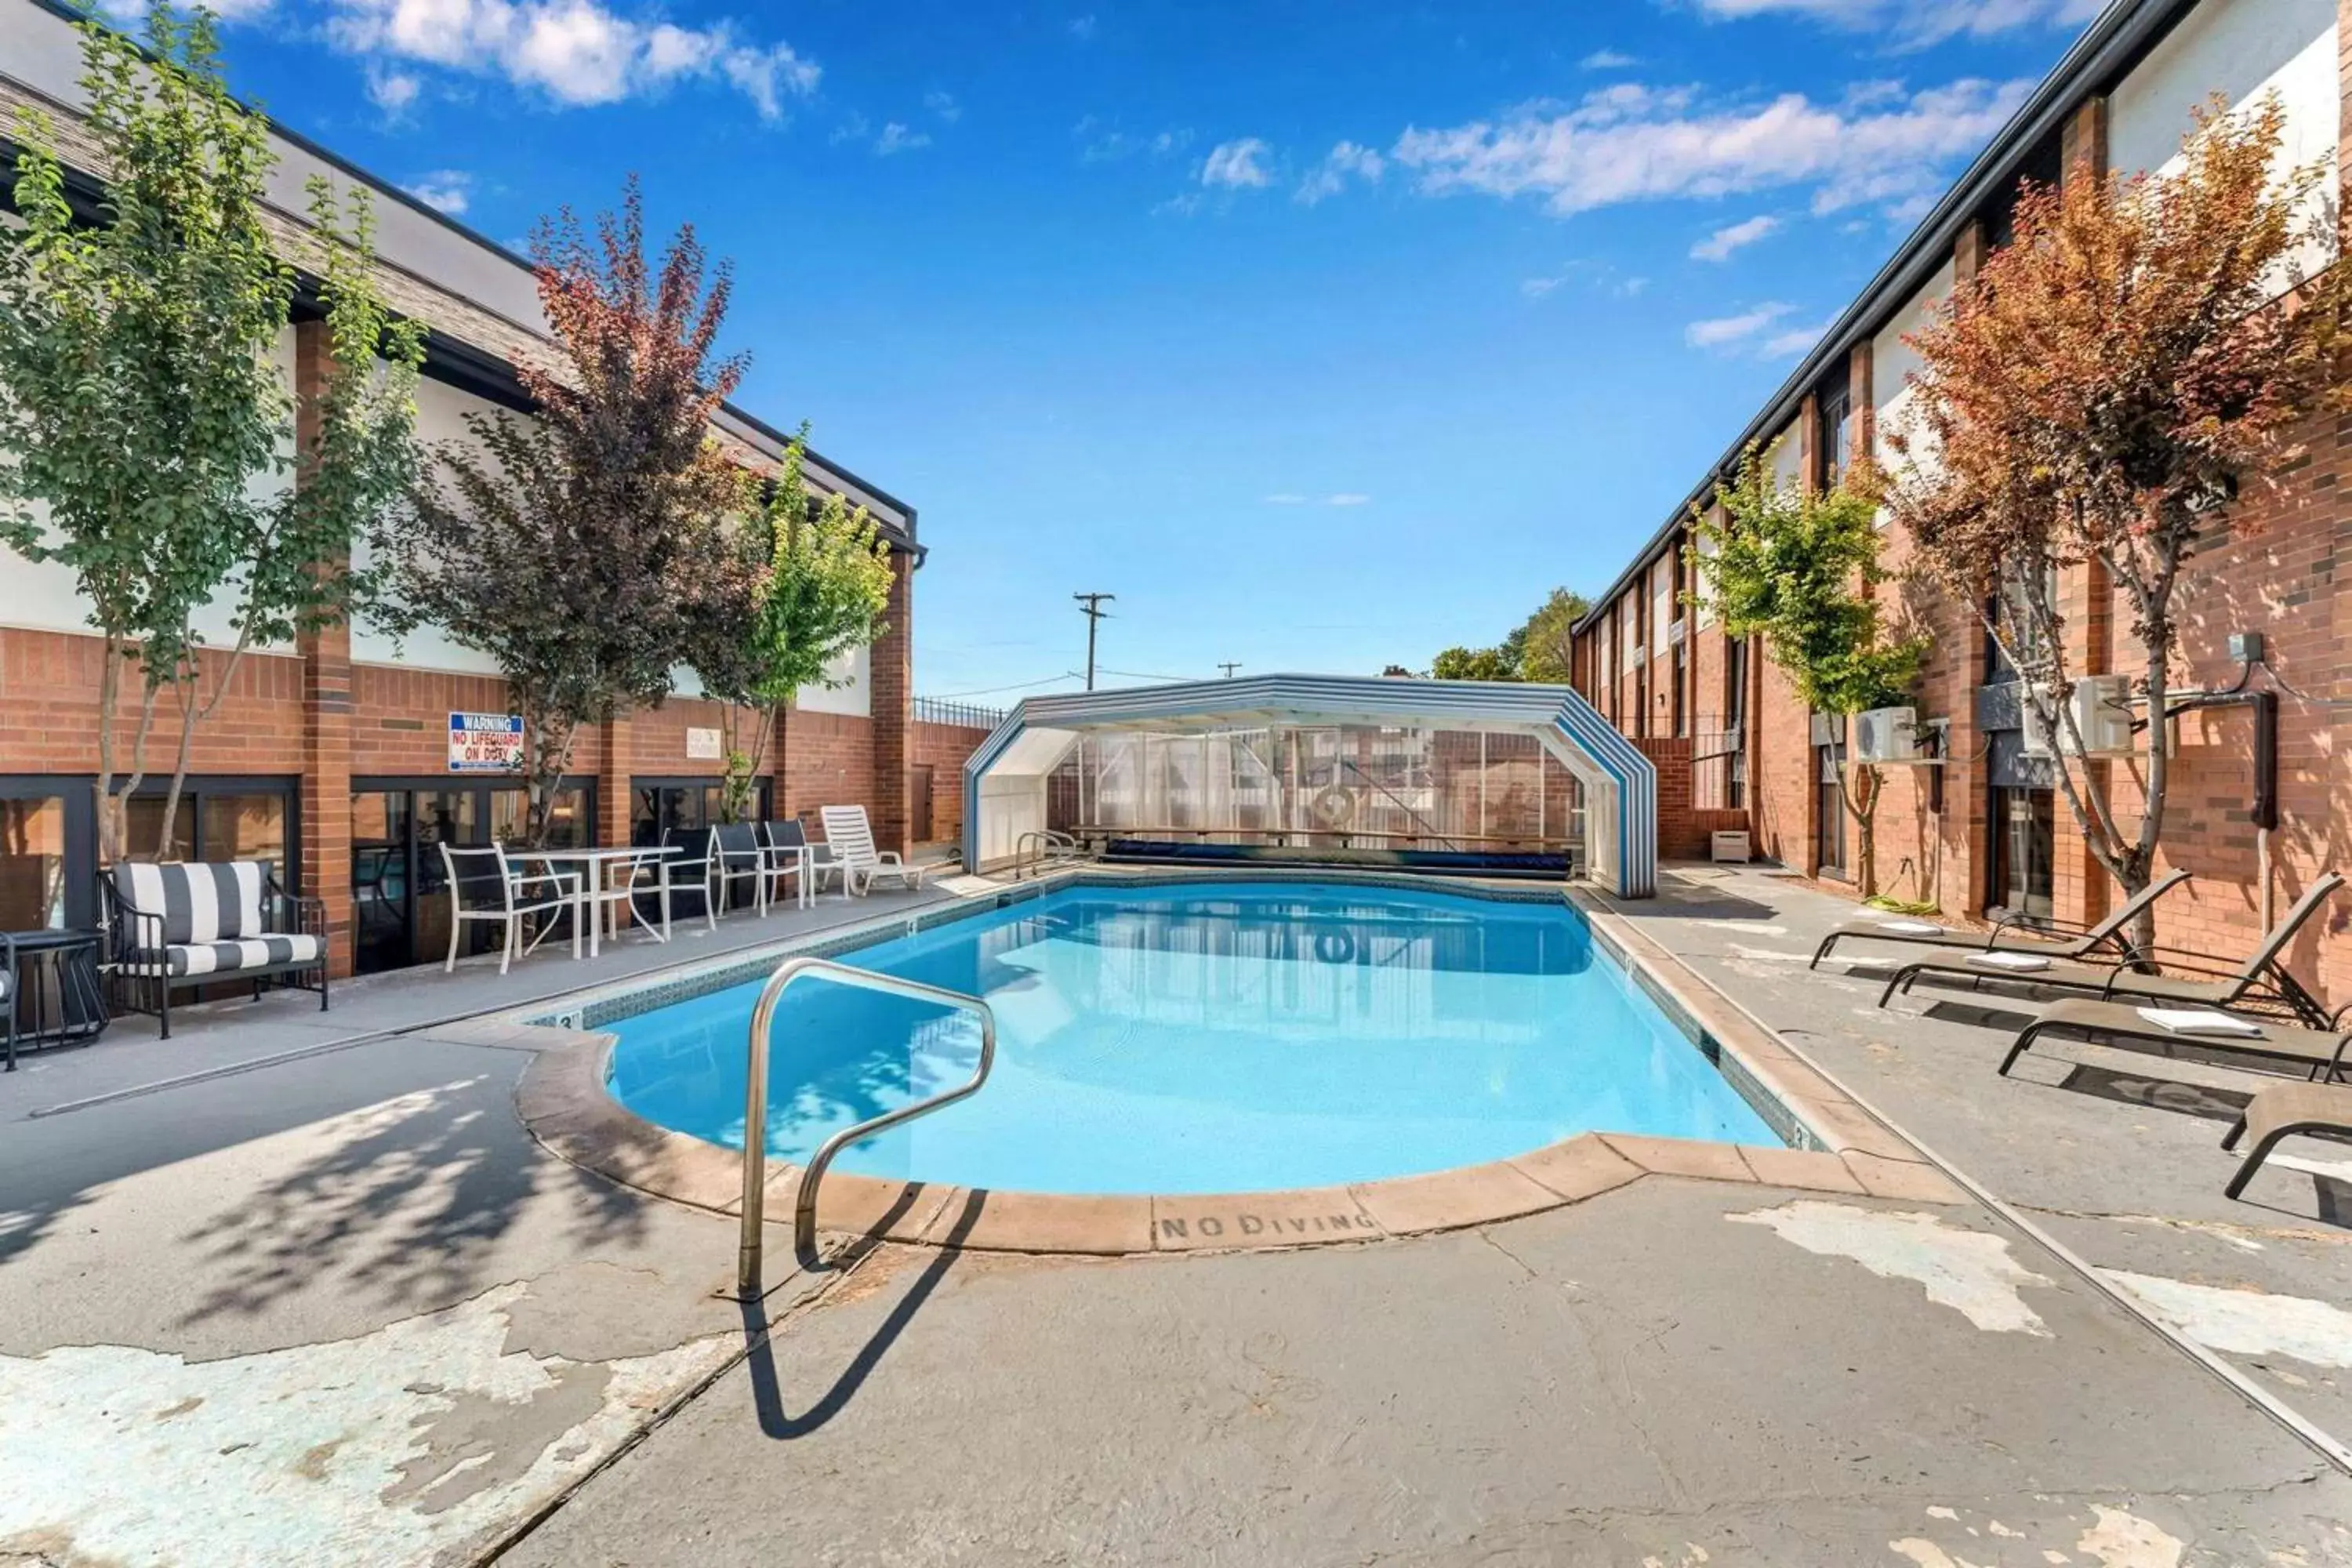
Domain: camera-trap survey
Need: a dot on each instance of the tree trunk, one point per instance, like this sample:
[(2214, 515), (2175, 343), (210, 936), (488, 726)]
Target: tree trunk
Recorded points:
[(1861, 801), (550, 756)]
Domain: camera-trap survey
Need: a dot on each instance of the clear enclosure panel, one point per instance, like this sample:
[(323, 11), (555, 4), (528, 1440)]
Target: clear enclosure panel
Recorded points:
[(1342, 786)]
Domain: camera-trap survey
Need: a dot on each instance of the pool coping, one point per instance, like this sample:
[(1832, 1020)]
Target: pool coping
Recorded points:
[(1836, 1145)]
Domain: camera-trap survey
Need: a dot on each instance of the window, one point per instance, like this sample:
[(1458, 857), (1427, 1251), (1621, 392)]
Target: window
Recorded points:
[(1830, 828), (658, 806), (33, 862), (218, 819), (1682, 713), (1837, 437), (2024, 840)]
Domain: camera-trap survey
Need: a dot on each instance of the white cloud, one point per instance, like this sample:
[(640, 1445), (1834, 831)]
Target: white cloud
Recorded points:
[(1237, 166), (1723, 330), (1915, 23), (1347, 497), (1718, 245), (1083, 28), (1600, 277), (1792, 341), (575, 51), (1608, 61), (392, 91), (443, 190), (1342, 498), (1102, 144), (1632, 142), (944, 105), (896, 138), (1347, 160)]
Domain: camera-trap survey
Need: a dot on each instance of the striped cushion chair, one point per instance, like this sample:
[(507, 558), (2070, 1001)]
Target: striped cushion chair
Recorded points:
[(197, 922)]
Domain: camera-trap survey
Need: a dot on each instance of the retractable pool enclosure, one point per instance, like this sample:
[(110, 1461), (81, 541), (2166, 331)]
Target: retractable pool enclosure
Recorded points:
[(1308, 769)]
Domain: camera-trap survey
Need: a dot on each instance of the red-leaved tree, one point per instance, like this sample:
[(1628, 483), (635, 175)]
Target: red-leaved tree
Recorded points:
[(566, 545), (2105, 391)]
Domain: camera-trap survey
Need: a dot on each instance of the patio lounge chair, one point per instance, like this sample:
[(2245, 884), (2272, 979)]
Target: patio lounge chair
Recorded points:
[(2131, 1025), (2082, 945), (2261, 982), (851, 838), (192, 923), (2282, 1111)]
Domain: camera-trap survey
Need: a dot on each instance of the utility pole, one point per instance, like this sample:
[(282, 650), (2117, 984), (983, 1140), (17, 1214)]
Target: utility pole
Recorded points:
[(1229, 665), (1091, 606)]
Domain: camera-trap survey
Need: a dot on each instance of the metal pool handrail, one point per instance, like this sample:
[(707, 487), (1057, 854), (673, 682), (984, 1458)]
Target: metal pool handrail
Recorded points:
[(755, 1103)]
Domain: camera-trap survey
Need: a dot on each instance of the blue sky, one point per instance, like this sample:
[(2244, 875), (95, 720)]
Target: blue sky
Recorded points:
[(1323, 334)]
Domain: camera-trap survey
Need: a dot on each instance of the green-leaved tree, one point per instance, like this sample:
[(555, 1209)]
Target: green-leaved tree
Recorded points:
[(798, 584), (137, 400), (1796, 567)]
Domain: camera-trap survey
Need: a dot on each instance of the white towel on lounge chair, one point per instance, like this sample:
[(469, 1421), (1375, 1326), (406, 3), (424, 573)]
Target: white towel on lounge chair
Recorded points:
[(2021, 961), (2199, 1021), (1911, 928)]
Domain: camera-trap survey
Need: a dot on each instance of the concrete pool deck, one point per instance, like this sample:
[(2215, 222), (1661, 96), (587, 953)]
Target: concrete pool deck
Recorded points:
[(342, 1309)]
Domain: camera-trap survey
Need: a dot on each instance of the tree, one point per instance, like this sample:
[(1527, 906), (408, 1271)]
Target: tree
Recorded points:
[(570, 547), (1473, 664), (2101, 392), (1542, 648), (354, 462), (1795, 566), (1539, 648), (137, 402), (797, 586)]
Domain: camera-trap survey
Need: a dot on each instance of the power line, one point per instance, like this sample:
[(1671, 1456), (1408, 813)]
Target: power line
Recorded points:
[(1010, 686), (1091, 606), (1229, 665)]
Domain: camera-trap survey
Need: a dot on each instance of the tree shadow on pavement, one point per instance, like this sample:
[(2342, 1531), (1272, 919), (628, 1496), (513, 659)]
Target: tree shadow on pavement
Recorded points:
[(408, 1200)]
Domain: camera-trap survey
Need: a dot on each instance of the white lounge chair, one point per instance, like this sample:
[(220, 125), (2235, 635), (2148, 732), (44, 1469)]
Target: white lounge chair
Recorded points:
[(851, 838)]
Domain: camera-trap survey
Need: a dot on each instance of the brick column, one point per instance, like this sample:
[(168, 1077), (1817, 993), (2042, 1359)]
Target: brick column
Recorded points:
[(2080, 885), (1969, 251), (890, 699), (325, 791), (613, 758), (1862, 398), (1809, 442)]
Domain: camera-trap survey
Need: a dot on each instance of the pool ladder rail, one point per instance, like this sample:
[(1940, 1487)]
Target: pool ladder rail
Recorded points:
[(755, 1104), (1041, 849)]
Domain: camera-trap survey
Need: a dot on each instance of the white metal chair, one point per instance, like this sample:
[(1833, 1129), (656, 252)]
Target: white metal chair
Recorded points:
[(486, 886), (690, 869), (785, 852), (851, 838), (737, 857)]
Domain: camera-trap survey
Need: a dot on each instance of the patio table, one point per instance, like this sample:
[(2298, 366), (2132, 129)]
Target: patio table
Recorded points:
[(592, 864)]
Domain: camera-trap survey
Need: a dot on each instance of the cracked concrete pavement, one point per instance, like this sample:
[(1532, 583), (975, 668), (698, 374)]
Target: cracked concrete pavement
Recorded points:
[(1633, 1380), (2115, 1153), (342, 1309)]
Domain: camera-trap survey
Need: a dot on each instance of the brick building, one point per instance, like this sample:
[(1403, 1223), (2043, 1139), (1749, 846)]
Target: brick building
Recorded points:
[(332, 758), (1987, 831)]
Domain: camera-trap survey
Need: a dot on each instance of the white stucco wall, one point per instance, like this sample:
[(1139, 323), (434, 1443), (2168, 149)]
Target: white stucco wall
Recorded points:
[(42, 594), (856, 698), (2241, 49), (1892, 364), (1788, 457), (440, 416)]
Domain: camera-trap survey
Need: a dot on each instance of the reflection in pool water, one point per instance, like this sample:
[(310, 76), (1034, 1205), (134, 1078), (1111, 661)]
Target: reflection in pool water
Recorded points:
[(1204, 1038)]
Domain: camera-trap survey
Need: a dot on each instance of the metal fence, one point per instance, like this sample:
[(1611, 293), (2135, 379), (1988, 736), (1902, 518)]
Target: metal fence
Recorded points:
[(1719, 771), (970, 715)]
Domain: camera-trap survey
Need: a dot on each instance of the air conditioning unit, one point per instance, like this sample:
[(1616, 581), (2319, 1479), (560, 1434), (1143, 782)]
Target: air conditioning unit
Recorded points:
[(2102, 714), (2101, 708), (1886, 735)]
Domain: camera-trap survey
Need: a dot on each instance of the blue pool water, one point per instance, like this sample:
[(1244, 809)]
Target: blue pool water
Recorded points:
[(1204, 1038)]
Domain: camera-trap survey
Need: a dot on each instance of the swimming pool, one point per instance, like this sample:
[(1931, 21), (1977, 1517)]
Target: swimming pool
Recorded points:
[(1204, 1038)]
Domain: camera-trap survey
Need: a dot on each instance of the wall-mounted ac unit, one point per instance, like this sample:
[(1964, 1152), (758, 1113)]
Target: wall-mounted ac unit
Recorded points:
[(2101, 711), (2102, 714), (1886, 735), (2101, 708)]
